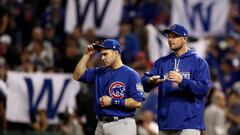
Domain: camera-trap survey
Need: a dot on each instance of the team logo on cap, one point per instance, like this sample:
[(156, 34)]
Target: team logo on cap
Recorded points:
[(117, 89)]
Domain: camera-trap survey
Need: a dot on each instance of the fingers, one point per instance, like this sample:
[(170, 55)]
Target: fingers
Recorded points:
[(105, 101), (101, 102), (95, 43), (171, 76), (173, 72), (160, 80), (171, 79), (174, 76), (155, 79), (90, 47)]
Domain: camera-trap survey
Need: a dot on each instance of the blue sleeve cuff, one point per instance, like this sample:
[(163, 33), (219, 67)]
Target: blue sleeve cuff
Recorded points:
[(146, 85), (145, 80), (118, 102), (184, 83)]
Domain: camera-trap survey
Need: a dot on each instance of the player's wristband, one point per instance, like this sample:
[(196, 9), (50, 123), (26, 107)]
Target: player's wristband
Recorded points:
[(118, 102)]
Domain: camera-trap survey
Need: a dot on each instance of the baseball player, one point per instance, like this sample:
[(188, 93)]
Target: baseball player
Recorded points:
[(118, 89), (183, 80)]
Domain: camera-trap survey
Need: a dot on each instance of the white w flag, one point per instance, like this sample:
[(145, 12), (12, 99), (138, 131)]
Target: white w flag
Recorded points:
[(104, 15), (201, 17), (157, 43), (29, 92)]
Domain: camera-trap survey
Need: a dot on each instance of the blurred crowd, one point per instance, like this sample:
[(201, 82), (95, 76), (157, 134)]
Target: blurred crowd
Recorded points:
[(32, 39)]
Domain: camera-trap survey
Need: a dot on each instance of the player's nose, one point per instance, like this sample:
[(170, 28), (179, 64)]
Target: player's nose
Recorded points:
[(103, 57)]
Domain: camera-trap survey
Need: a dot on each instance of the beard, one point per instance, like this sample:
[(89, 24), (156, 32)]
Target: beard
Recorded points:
[(106, 64), (176, 48)]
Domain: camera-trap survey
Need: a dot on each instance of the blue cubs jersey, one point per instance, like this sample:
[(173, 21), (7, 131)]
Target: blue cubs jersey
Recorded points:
[(119, 83), (180, 106)]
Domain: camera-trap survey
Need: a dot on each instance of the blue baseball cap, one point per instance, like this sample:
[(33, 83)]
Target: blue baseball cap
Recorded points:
[(110, 44), (177, 29)]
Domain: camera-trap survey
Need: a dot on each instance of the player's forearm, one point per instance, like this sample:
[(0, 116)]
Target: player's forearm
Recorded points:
[(128, 103), (146, 85), (131, 103), (81, 67)]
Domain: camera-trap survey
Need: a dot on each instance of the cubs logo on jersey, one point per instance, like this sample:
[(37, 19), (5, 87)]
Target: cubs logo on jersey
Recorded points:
[(117, 89)]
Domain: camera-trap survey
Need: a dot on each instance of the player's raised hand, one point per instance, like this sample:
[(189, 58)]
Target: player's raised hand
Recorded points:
[(155, 79), (90, 48)]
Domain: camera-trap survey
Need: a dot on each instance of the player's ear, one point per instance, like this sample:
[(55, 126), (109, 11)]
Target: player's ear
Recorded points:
[(184, 40), (115, 52)]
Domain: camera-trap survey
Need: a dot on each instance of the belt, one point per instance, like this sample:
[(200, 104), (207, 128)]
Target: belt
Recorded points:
[(171, 132), (110, 118)]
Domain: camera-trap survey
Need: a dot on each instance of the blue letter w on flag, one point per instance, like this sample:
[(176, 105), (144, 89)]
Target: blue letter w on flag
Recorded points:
[(48, 89), (198, 10)]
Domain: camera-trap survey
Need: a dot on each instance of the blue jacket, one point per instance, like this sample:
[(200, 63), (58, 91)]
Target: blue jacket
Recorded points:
[(180, 106)]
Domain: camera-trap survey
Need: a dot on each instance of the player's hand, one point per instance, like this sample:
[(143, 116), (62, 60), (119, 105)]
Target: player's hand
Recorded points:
[(105, 101), (175, 77), (155, 79), (90, 49)]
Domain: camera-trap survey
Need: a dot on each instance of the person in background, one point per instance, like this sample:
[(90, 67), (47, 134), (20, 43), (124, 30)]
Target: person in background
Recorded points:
[(233, 112), (215, 118)]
